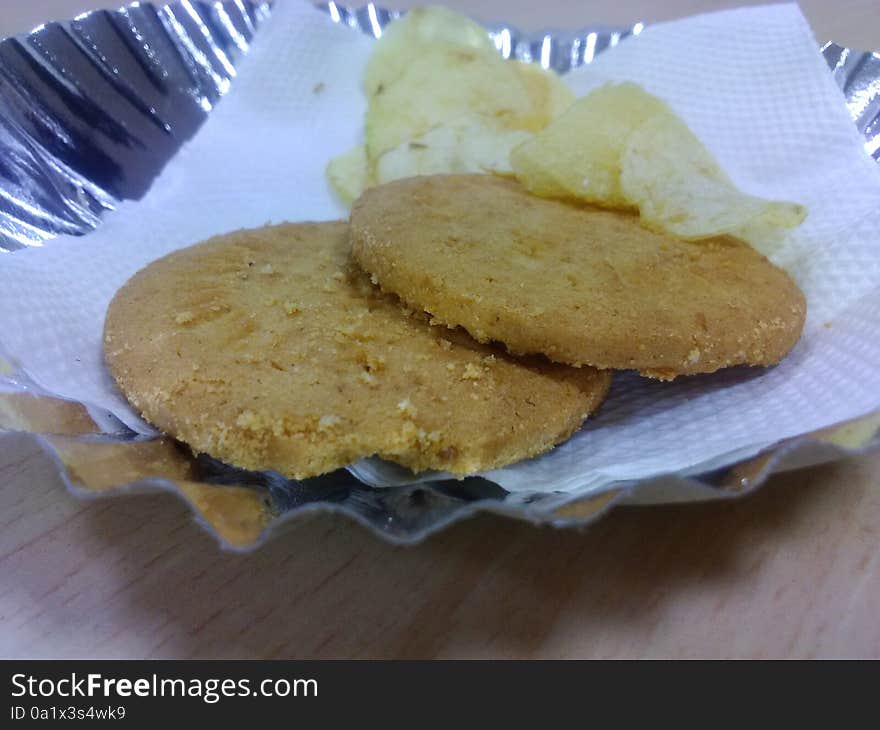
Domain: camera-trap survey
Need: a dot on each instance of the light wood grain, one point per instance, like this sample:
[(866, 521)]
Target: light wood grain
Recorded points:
[(792, 571)]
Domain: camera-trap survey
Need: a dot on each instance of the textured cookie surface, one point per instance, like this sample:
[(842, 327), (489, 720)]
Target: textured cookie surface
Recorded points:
[(267, 349), (580, 284)]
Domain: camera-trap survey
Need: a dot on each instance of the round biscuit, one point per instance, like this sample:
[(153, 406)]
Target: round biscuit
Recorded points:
[(580, 284), (268, 349)]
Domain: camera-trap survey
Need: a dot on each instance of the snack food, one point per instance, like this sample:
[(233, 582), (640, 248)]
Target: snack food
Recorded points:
[(439, 86), (442, 99), (580, 284), (406, 37), (621, 147), (467, 144), (266, 349)]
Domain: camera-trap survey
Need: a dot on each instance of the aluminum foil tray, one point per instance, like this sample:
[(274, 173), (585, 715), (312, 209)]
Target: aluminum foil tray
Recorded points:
[(91, 110)]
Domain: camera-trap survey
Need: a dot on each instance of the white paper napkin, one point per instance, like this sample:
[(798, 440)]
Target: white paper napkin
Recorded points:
[(750, 82)]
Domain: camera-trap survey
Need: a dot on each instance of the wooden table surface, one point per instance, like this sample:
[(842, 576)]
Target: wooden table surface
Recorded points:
[(792, 571)]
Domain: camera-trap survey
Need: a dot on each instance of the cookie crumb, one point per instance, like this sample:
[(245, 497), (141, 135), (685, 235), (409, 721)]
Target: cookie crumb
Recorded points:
[(471, 372), (247, 420), (325, 423), (406, 406)]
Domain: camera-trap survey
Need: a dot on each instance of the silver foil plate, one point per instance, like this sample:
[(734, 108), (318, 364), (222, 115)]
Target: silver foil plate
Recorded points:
[(91, 110)]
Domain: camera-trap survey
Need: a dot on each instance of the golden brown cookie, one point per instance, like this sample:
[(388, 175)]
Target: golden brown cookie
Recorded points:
[(267, 349), (582, 285)]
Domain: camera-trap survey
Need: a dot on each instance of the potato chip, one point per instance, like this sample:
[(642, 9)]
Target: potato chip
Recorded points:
[(577, 156), (348, 174), (621, 147), (769, 240), (679, 187), (443, 100), (440, 85), (549, 94), (468, 144), (408, 37)]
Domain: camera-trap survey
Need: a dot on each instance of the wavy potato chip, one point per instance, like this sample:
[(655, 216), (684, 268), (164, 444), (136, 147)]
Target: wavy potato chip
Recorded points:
[(577, 156), (442, 100), (441, 85), (348, 174), (622, 147), (467, 144), (407, 38), (679, 187)]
